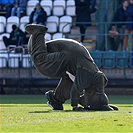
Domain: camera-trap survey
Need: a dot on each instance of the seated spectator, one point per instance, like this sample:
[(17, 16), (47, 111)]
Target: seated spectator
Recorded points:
[(82, 16), (16, 37), (19, 7), (38, 16), (120, 27), (6, 6), (129, 25)]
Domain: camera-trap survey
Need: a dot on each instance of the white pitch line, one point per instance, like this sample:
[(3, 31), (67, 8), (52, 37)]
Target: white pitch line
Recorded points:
[(49, 121), (59, 120)]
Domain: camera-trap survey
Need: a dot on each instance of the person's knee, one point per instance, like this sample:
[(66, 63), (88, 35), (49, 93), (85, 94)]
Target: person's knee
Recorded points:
[(5, 38), (13, 9)]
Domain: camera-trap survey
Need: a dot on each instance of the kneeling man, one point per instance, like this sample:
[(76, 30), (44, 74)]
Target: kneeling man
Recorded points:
[(81, 80)]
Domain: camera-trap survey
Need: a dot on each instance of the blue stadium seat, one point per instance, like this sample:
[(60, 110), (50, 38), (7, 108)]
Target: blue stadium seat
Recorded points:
[(26, 61), (109, 59), (131, 60), (122, 59), (3, 60), (97, 56)]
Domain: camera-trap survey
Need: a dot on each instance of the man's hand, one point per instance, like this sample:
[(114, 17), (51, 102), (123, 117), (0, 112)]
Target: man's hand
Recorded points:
[(14, 38), (76, 108)]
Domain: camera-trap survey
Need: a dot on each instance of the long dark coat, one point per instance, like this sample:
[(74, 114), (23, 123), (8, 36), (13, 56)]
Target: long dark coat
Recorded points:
[(129, 14), (83, 13), (120, 17)]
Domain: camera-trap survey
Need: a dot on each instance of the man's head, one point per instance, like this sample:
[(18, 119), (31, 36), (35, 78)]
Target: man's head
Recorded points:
[(14, 27), (125, 3), (38, 6), (131, 1)]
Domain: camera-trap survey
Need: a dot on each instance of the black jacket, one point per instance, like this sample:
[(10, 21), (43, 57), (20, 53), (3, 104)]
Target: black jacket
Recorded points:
[(83, 13), (129, 14), (17, 34), (119, 17), (42, 17)]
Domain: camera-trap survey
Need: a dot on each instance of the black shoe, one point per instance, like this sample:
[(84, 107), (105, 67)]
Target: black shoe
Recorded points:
[(52, 101), (114, 107), (79, 109), (106, 108), (35, 28)]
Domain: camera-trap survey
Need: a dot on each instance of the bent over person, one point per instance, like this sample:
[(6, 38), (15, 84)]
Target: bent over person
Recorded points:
[(81, 80)]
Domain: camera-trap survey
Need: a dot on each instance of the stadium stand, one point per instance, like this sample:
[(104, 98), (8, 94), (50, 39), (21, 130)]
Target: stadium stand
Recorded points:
[(59, 8), (117, 65), (65, 24), (131, 60), (23, 21), (26, 61), (122, 59), (47, 5), (3, 60), (2, 45), (58, 35), (70, 8), (97, 56), (52, 24), (109, 59), (10, 21), (2, 23), (13, 60), (48, 37), (31, 5)]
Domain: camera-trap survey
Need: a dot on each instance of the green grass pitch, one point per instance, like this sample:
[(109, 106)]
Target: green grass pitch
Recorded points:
[(30, 114)]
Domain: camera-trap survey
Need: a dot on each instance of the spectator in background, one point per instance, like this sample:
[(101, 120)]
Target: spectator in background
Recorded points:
[(38, 16), (16, 37), (93, 6), (129, 25), (83, 15), (6, 5), (120, 27), (19, 6)]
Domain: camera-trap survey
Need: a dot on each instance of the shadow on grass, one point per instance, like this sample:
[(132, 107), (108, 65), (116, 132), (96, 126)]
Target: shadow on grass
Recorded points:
[(65, 111), (36, 112), (126, 106)]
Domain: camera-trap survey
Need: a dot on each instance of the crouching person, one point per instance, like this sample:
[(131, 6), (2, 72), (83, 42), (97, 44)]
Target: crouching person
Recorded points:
[(70, 61)]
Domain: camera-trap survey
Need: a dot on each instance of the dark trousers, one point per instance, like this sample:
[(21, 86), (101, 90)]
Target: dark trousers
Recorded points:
[(82, 89), (8, 41), (82, 31)]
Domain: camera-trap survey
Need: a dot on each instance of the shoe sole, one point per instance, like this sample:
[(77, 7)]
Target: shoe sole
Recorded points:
[(48, 97), (34, 26), (50, 105)]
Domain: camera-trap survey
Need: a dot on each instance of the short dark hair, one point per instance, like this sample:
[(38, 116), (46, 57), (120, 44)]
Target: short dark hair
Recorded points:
[(14, 27)]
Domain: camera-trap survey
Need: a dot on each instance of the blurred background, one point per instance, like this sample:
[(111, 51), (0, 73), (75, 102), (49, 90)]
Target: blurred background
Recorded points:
[(104, 27)]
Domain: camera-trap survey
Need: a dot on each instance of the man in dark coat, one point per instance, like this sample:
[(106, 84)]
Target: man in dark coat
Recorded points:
[(70, 61), (120, 17), (129, 24), (38, 16), (83, 16)]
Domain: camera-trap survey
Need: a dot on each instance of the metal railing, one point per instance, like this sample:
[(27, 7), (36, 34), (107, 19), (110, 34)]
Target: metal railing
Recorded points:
[(105, 32)]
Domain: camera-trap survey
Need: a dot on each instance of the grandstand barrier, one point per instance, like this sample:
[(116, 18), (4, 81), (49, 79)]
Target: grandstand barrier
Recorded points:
[(105, 32), (17, 70)]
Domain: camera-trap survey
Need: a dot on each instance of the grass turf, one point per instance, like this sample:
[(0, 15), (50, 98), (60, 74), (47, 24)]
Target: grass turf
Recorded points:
[(28, 113)]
